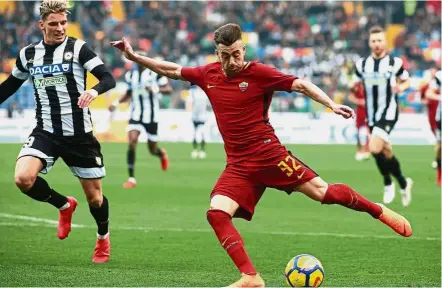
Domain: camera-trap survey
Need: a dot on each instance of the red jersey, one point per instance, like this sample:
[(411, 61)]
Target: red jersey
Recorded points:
[(241, 105), (361, 114)]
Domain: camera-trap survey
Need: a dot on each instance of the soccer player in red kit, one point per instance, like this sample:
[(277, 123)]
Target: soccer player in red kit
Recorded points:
[(357, 97), (240, 93)]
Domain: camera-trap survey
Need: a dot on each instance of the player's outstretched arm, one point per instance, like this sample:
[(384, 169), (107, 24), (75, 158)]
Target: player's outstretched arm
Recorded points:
[(124, 98), (168, 69), (9, 87), (315, 93)]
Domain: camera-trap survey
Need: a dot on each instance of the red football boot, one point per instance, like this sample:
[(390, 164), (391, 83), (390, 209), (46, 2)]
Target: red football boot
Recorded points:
[(64, 222), (102, 250), (164, 160)]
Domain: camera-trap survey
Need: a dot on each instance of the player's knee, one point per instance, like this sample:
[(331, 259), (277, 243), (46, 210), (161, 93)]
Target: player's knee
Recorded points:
[(321, 188), (215, 216), (95, 200), (24, 181), (375, 149)]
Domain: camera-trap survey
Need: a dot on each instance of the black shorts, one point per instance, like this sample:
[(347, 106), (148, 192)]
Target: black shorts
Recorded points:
[(81, 153), (198, 123), (383, 128), (151, 129)]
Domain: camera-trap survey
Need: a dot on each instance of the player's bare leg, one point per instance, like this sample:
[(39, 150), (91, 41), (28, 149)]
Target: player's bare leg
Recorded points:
[(159, 152), (317, 189), (363, 152), (222, 208), (133, 140), (28, 181), (99, 208)]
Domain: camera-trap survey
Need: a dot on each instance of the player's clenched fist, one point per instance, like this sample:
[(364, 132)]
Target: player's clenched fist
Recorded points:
[(86, 98)]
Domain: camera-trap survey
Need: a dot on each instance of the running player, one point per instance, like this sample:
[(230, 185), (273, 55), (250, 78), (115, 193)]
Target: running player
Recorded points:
[(57, 67), (383, 77), (199, 104), (145, 89)]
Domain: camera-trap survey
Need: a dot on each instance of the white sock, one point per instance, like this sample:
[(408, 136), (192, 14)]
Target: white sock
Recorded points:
[(102, 236), (132, 179), (65, 206)]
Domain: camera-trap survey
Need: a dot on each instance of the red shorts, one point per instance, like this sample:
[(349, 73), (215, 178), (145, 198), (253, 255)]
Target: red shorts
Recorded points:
[(360, 117), (431, 112), (246, 185)]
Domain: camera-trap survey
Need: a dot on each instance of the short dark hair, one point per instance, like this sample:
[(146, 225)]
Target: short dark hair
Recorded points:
[(227, 34), (376, 29)]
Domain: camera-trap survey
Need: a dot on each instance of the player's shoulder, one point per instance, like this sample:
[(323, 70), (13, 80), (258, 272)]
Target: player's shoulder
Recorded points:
[(397, 60), (259, 65), (29, 46), (361, 60), (210, 66), (77, 41)]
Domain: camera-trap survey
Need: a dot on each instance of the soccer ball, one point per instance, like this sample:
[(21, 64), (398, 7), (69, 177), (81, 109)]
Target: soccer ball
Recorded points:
[(304, 271)]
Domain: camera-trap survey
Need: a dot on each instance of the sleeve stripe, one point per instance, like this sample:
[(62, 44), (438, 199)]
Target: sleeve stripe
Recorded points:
[(401, 70), (77, 47), (21, 60), (91, 64), (17, 73)]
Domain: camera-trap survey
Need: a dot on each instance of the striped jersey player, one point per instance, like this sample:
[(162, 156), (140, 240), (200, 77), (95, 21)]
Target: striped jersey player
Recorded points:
[(57, 66)]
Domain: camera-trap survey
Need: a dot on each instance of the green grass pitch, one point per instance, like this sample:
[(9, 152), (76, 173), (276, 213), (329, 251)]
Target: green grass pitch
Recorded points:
[(160, 236)]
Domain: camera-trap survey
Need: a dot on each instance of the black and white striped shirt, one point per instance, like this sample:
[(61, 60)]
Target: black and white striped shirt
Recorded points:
[(58, 73), (435, 84), (379, 77), (144, 87)]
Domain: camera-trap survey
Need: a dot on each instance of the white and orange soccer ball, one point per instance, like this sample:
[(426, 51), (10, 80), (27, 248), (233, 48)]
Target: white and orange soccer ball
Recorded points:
[(304, 271)]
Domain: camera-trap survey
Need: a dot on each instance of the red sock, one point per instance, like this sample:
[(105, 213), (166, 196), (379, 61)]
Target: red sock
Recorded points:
[(343, 195), (231, 240)]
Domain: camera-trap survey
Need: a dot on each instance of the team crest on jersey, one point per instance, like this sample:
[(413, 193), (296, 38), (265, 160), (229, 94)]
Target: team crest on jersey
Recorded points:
[(387, 128), (243, 86), (68, 56)]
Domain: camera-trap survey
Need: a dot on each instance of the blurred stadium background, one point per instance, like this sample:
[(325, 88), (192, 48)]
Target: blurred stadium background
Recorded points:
[(155, 226), (317, 40)]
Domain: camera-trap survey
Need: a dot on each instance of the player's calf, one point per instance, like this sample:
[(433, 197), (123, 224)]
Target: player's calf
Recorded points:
[(41, 191), (341, 194), (230, 240)]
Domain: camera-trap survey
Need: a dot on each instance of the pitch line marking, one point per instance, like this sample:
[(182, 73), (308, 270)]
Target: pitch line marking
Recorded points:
[(43, 222)]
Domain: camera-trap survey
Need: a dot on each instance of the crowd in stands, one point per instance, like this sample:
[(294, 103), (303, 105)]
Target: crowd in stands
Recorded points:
[(317, 40)]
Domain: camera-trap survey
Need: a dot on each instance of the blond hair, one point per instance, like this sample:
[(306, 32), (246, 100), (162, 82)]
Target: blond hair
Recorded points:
[(53, 6)]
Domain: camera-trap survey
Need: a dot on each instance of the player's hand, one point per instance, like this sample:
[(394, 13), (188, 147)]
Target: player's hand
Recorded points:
[(343, 110), (112, 108), (124, 46), (86, 98)]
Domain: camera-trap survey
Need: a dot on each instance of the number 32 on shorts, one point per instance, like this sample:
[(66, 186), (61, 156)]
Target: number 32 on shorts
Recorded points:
[(288, 166)]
